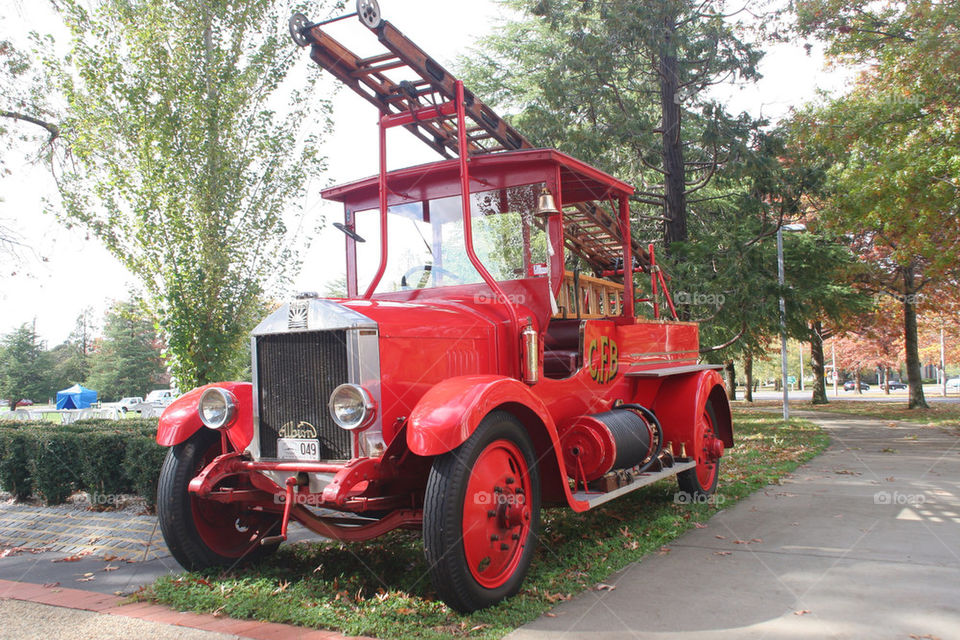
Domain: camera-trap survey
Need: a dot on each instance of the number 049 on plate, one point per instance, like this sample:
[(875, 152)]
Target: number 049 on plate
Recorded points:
[(297, 448)]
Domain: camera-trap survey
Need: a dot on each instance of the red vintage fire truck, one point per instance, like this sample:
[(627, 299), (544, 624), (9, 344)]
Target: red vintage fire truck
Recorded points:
[(487, 361)]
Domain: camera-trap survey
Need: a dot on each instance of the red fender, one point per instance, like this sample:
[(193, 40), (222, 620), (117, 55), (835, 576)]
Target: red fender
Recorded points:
[(682, 398), (180, 420), (450, 412)]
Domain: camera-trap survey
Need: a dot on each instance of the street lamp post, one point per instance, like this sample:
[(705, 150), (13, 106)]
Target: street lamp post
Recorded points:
[(783, 315)]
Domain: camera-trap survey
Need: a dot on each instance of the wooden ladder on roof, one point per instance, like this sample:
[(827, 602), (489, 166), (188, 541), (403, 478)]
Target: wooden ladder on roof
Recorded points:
[(405, 79)]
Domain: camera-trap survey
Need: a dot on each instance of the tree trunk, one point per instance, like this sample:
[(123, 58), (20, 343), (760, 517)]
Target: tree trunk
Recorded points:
[(885, 372), (819, 368), (911, 342), (730, 373), (857, 381), (748, 374), (675, 199)]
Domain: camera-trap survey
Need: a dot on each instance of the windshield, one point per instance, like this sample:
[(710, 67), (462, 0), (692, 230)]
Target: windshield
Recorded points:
[(426, 241)]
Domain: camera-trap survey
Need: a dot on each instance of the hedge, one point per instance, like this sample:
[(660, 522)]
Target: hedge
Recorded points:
[(102, 457)]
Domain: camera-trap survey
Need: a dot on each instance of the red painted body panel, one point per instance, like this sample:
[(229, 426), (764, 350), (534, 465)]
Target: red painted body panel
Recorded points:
[(681, 399), (450, 411), (180, 420)]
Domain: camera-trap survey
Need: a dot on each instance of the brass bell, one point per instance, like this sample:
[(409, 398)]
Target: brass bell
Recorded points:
[(545, 204)]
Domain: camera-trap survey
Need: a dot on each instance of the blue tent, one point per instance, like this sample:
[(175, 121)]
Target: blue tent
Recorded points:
[(76, 397)]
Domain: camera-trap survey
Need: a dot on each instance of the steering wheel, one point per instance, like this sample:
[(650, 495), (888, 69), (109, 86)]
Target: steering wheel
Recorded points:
[(428, 270)]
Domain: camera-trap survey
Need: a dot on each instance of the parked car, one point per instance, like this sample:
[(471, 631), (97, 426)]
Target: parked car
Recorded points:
[(130, 403), (161, 397), (953, 384), (850, 385), (897, 385)]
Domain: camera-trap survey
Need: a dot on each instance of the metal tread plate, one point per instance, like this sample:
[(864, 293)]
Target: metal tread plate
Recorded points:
[(644, 479)]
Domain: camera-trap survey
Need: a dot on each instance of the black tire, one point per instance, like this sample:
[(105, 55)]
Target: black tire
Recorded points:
[(444, 535), (177, 512), (689, 481)]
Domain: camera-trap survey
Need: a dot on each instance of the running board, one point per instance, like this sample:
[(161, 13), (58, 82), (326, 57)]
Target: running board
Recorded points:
[(596, 499)]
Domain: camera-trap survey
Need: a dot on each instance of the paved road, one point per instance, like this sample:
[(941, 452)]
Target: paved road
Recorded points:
[(863, 542)]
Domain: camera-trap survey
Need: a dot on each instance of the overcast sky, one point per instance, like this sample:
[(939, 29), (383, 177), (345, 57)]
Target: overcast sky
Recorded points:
[(63, 271)]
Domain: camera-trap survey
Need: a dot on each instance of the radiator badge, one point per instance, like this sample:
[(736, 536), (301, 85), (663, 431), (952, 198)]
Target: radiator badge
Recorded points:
[(297, 314), (303, 430)]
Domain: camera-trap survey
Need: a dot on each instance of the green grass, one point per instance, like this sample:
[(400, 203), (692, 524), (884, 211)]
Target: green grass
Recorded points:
[(381, 588), (938, 415)]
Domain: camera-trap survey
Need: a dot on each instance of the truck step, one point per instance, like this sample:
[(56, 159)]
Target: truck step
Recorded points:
[(594, 499)]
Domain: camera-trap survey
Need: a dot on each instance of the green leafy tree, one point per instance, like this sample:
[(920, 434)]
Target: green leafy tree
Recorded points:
[(128, 361), (820, 295), (184, 161), (623, 85), (892, 146), (27, 124), (71, 359), (25, 115), (24, 367)]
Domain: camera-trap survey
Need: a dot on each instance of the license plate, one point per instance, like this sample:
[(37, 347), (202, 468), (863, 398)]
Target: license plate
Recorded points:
[(298, 449)]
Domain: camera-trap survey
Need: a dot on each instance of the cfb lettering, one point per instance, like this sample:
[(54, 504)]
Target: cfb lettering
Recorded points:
[(608, 357)]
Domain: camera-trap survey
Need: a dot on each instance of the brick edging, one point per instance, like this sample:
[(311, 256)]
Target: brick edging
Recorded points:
[(115, 605)]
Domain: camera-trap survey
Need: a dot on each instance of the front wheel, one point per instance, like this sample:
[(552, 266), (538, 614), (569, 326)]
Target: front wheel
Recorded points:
[(481, 515), (702, 480), (202, 533)]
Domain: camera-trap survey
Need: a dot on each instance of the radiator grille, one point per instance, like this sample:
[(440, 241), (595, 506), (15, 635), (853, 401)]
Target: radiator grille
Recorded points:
[(296, 373)]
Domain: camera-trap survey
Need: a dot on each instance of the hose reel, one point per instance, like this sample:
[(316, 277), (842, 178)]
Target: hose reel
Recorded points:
[(626, 436)]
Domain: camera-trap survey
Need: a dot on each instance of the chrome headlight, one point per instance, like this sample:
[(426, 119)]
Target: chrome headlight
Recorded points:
[(351, 407), (217, 408)]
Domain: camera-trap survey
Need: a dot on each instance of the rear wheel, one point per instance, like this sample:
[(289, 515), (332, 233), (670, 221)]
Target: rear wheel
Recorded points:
[(707, 449), (204, 533), (481, 515)]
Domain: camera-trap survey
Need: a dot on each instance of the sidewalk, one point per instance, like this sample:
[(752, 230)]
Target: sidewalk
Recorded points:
[(68, 578), (30, 611), (862, 542)]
